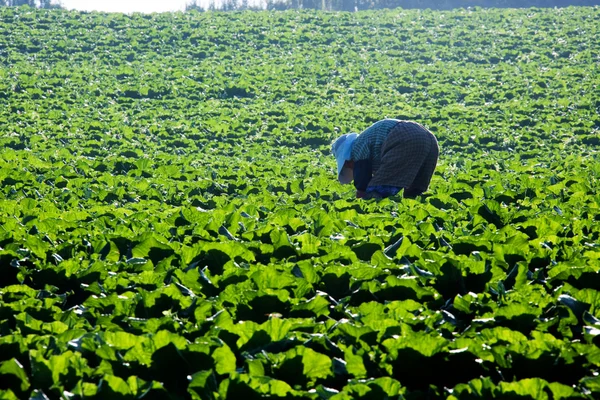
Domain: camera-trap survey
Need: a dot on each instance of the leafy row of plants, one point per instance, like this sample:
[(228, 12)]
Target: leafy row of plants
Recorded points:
[(170, 223)]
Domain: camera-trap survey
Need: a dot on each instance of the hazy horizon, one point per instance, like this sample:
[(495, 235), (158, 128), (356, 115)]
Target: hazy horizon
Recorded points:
[(127, 6)]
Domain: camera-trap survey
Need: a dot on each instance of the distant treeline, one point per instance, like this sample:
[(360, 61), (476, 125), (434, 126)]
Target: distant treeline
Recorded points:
[(31, 3), (353, 5), (342, 5)]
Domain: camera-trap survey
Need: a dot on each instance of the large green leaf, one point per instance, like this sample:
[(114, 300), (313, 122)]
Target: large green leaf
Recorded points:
[(13, 373)]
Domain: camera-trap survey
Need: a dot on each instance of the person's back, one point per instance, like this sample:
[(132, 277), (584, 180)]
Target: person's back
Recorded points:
[(387, 157)]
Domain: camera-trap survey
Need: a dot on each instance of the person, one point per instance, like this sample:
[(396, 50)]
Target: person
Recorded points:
[(387, 157)]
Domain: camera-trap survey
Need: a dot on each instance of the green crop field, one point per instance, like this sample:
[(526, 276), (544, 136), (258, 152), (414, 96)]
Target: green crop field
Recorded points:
[(171, 225)]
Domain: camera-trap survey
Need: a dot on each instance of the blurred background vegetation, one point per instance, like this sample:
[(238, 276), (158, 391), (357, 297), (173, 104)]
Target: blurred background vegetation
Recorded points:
[(355, 5), (31, 3), (341, 5)]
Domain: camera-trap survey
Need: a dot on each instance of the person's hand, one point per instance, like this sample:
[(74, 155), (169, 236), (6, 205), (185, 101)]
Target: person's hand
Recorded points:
[(361, 194)]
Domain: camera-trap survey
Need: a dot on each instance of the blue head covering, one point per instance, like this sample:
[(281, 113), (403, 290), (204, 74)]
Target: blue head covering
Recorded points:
[(342, 151)]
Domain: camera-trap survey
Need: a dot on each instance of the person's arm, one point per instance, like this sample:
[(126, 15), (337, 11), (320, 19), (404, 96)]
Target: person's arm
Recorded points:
[(366, 151), (361, 154), (363, 172)]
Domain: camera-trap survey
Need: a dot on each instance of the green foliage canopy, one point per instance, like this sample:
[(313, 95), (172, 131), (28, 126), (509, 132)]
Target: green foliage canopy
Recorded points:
[(170, 223)]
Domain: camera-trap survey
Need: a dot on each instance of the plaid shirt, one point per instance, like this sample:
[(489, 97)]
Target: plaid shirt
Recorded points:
[(393, 154), (368, 144)]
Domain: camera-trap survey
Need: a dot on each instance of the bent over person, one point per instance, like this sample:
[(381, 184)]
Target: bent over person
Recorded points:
[(388, 156)]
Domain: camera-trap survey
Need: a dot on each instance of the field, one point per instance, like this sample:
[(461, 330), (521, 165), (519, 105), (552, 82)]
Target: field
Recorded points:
[(171, 225)]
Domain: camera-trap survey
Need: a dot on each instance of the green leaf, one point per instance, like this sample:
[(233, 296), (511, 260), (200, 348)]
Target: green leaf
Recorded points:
[(389, 386), (122, 340), (37, 246), (115, 385), (561, 391), (111, 252), (309, 244), (316, 365), (593, 384), (425, 344), (255, 367), (533, 387), (225, 361), (12, 371), (302, 365), (85, 389), (314, 307), (354, 363), (203, 385), (153, 247), (241, 384), (477, 388), (589, 296), (8, 395)]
